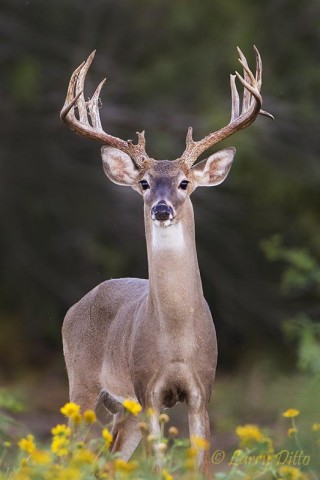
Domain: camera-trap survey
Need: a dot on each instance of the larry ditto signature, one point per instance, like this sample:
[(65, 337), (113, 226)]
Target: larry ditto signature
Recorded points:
[(283, 457)]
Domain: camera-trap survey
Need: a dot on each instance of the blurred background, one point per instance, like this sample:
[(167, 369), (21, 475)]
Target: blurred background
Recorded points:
[(65, 228)]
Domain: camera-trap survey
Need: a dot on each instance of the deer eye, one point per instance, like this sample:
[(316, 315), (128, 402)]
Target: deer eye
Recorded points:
[(184, 184), (144, 184)]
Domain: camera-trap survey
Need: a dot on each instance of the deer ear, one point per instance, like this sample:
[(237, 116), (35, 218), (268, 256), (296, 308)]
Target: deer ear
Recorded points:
[(119, 167), (213, 170)]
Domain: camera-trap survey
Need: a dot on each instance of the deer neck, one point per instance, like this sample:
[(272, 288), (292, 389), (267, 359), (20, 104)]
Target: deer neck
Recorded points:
[(175, 289)]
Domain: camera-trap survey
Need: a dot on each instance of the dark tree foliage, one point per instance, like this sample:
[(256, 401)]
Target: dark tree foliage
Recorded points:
[(65, 228)]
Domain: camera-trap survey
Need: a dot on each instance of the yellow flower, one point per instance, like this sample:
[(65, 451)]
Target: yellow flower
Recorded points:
[(60, 445), (23, 474), (166, 475), (76, 418), (69, 473), (252, 437), (27, 444), (199, 443), (70, 409), (291, 473), (292, 432), (61, 430), (125, 467), (84, 456), (191, 452), (160, 447), (107, 436), (40, 458), (316, 427), (90, 416), (190, 464), (132, 406), (150, 412), (173, 431), (291, 413), (164, 418), (144, 427), (249, 432)]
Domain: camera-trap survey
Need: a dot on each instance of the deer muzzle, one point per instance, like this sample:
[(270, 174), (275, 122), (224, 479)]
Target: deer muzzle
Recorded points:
[(162, 212)]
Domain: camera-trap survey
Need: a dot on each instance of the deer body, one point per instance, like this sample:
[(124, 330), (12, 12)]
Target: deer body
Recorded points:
[(151, 340), (156, 338)]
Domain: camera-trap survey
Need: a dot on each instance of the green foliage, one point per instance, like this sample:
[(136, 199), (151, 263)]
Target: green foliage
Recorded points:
[(25, 82), (301, 272), (307, 333), (167, 64), (10, 402)]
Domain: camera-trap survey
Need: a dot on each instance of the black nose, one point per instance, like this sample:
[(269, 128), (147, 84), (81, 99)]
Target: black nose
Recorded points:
[(162, 211)]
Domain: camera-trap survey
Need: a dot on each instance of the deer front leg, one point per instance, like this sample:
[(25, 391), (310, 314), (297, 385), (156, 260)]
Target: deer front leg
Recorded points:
[(199, 427), (153, 407), (125, 431), (126, 435)]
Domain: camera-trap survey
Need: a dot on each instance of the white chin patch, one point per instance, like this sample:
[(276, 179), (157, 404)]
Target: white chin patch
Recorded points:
[(167, 238), (162, 223)]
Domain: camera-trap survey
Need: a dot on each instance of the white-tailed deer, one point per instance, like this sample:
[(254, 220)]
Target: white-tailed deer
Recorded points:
[(152, 340)]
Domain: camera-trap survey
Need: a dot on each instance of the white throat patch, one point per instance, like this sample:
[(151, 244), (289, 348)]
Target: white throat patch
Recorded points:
[(169, 237)]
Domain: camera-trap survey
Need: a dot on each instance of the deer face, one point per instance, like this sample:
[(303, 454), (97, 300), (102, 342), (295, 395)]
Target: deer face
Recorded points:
[(166, 185)]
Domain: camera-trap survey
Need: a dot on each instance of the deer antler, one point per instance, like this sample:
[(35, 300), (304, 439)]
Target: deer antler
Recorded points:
[(240, 117), (91, 128)]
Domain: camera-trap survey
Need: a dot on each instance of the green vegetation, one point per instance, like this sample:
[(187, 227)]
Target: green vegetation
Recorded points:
[(75, 453), (167, 63), (65, 229), (300, 278)]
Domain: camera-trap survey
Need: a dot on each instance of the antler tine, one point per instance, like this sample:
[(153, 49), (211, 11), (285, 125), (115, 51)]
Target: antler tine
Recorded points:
[(141, 139), (94, 130), (249, 78), (240, 117), (71, 100), (235, 101), (79, 87), (258, 67), (93, 106), (259, 80)]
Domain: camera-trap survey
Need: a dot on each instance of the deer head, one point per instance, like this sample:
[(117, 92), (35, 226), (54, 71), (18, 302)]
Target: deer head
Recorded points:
[(165, 185)]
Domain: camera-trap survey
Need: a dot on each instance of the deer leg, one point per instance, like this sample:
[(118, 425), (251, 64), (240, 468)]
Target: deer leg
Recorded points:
[(155, 431), (125, 431), (126, 435), (154, 424), (199, 426), (154, 407), (85, 396)]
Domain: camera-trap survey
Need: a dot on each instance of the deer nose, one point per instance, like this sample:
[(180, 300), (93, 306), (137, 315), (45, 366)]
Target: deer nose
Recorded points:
[(162, 211)]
